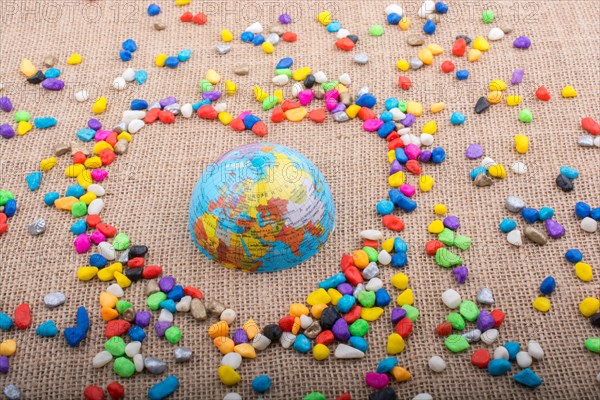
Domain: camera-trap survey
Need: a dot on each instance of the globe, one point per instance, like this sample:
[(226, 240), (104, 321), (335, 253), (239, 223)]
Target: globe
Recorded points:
[(261, 207)]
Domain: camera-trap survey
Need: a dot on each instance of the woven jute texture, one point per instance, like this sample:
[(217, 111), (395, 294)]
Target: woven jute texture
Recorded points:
[(148, 189)]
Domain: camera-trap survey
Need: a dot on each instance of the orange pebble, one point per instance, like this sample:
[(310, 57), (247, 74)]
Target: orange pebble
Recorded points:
[(224, 344), (108, 300), (360, 258), (317, 310), (298, 309), (296, 326), (251, 328), (219, 329), (109, 314), (400, 374)]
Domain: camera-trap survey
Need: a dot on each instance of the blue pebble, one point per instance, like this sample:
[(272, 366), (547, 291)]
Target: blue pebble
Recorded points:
[(176, 293), (391, 102), (333, 281), (75, 190), (247, 37), (302, 344), (545, 213), (385, 129), (498, 367), (457, 118), (34, 180), (345, 303), (168, 305), (582, 210), (548, 285), (441, 7), (382, 298), (385, 207), (136, 333), (153, 9), (399, 260), (172, 62), (125, 55), (86, 134), (74, 335), (476, 171), (199, 104), (163, 388), (250, 120), (366, 100), (569, 172), (129, 45), (595, 214), (400, 200), (400, 245), (507, 225), (284, 63), (530, 214), (83, 319), (386, 365), (429, 27), (6, 322), (401, 155), (462, 74), (141, 76), (261, 384), (79, 227), (573, 256), (52, 73), (184, 55), (333, 26), (10, 208), (43, 123), (258, 40), (438, 155), (386, 116), (50, 197), (394, 18), (513, 348), (138, 104), (97, 260), (358, 343), (47, 329), (528, 378)]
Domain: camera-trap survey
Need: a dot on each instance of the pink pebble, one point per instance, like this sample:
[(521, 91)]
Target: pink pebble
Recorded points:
[(412, 151), (371, 125), (98, 175), (243, 114), (408, 190), (305, 96), (101, 135), (97, 237), (375, 380), (332, 94), (82, 243), (330, 103)]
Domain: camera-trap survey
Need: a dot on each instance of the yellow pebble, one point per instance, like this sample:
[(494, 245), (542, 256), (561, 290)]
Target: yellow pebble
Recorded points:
[(324, 18), (101, 145), (395, 344), (72, 171), (296, 114), (85, 179), (213, 76), (74, 59), (268, 47), (27, 68), (494, 97), (388, 245), (352, 112), (227, 375), (99, 105), (440, 209), (405, 297), (298, 309), (124, 135), (93, 162), (317, 297), (541, 304), (397, 179), (583, 271), (435, 49), (279, 94), (521, 144), (88, 197), (251, 328), (245, 350), (259, 94), (414, 108), (48, 163), (430, 127), (225, 117), (301, 73), (8, 348), (426, 183), (403, 65), (480, 44), (426, 56), (513, 100), (341, 88), (589, 306), (569, 91), (437, 107), (371, 314), (391, 155), (86, 273), (320, 352), (160, 60), (404, 23), (224, 344), (226, 35), (122, 280), (400, 281), (436, 226), (65, 203), (108, 273), (473, 55), (400, 374), (230, 87), (108, 300), (317, 310), (497, 171), (497, 85), (218, 329), (23, 127), (182, 2)]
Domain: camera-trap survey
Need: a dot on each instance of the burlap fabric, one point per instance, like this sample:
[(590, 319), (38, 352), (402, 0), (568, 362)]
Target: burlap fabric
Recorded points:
[(148, 189)]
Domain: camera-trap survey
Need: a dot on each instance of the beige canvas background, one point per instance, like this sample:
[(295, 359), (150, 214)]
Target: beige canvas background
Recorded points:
[(148, 189)]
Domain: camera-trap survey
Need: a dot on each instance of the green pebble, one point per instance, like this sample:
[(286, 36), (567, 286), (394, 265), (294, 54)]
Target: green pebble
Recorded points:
[(412, 313), (402, 105), (269, 102), (487, 16), (456, 320), (314, 396), (593, 344), (284, 71), (360, 327), (376, 30), (371, 253), (155, 299), (469, 310), (462, 242), (123, 305), (173, 335), (366, 298), (456, 343), (445, 258), (124, 367), (115, 346), (6, 195), (525, 115), (121, 242), (327, 86), (79, 209), (22, 115), (447, 237), (205, 86)]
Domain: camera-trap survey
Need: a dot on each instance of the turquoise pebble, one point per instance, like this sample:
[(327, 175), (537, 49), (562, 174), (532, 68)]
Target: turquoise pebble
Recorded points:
[(333, 26), (168, 304), (163, 388), (391, 102), (141, 76), (261, 384), (6, 322), (569, 172), (47, 329), (45, 122), (345, 303), (50, 197), (457, 118), (184, 55), (79, 227), (476, 171), (86, 134), (358, 343), (507, 225), (332, 281), (302, 344), (34, 180), (498, 367), (545, 213), (400, 245), (386, 365), (199, 104), (386, 116), (75, 191), (385, 207), (513, 348), (52, 73), (528, 378)]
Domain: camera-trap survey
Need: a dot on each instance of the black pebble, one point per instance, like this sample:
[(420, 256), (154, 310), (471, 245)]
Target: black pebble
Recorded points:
[(595, 320), (309, 82), (37, 78), (134, 274), (354, 38), (564, 183), (328, 318), (467, 39), (482, 105), (273, 332), (137, 251), (386, 394)]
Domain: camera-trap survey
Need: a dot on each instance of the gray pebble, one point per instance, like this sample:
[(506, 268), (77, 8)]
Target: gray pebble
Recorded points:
[(241, 69), (122, 126), (175, 108), (514, 204), (535, 236), (313, 330), (506, 28), (586, 141), (345, 98), (198, 310), (155, 365), (483, 180), (320, 93), (152, 287), (76, 147), (415, 63), (215, 308), (223, 48), (121, 148), (129, 314), (61, 149), (472, 336), (485, 296), (341, 116), (277, 29), (182, 354), (361, 58), (50, 61), (154, 104), (370, 271), (272, 38), (124, 257), (1, 208), (12, 392), (54, 299), (415, 40), (37, 227), (159, 26)]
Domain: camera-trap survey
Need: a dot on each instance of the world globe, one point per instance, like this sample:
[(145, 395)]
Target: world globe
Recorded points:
[(261, 207)]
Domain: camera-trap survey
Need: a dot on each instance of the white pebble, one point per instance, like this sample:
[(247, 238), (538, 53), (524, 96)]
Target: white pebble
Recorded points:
[(287, 340), (320, 77), (133, 348), (501, 352), (228, 315), (130, 115), (384, 258), (393, 8), (426, 8), (184, 304), (220, 107), (426, 139), (403, 131), (519, 168), (82, 95), (135, 126), (272, 38), (397, 115), (260, 342), (597, 141), (96, 189), (371, 234), (495, 34), (589, 225), (535, 350), (1, 86), (346, 352), (138, 361), (187, 110), (305, 321), (514, 237), (255, 28), (451, 298), (423, 396), (95, 207), (487, 162), (232, 396), (524, 359), (115, 290), (119, 83), (107, 251), (370, 271), (344, 79), (342, 33), (361, 58), (129, 75), (437, 364), (233, 360), (489, 336), (374, 284), (101, 359), (165, 316), (297, 88), (281, 80)]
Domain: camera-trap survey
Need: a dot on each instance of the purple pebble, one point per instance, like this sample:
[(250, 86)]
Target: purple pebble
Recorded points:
[(6, 131), (239, 336), (285, 19), (94, 124), (425, 156), (397, 314), (517, 76), (485, 321), (168, 101), (473, 151), (212, 95), (339, 108), (452, 222), (461, 273), (142, 318), (345, 288), (166, 283), (340, 330), (4, 364), (408, 120), (5, 104), (395, 167), (53, 84), (522, 42), (554, 229), (160, 327)]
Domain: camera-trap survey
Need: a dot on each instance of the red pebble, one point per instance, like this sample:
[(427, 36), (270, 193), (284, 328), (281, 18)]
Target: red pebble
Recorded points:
[(395, 144), (79, 158), (287, 323), (116, 327), (344, 44), (345, 396), (93, 393), (186, 17), (207, 112), (443, 329), (498, 316), (543, 94), (237, 124), (289, 37), (151, 115), (480, 358), (404, 327), (353, 314), (2, 218), (277, 115), (459, 48), (366, 113), (107, 230), (346, 262), (260, 128), (317, 115), (111, 139), (93, 220), (392, 136), (116, 390), (325, 337), (393, 223), (371, 243), (199, 19), (107, 156), (137, 262), (413, 167), (22, 318), (151, 271), (166, 117), (432, 247), (290, 105), (404, 82), (3, 228), (590, 125), (447, 66), (353, 276), (192, 291)]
